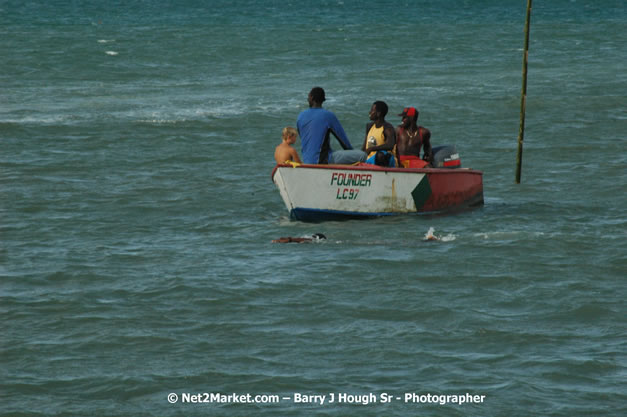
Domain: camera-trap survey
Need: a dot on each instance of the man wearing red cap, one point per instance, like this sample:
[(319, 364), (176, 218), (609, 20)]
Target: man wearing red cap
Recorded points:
[(410, 138)]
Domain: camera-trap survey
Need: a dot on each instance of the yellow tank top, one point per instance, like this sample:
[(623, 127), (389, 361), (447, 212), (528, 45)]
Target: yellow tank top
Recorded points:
[(375, 133)]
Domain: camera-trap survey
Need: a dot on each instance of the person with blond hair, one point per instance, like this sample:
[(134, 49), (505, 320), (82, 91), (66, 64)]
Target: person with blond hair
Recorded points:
[(284, 152)]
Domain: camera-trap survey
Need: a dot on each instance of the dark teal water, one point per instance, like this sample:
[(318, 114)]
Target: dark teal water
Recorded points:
[(137, 210)]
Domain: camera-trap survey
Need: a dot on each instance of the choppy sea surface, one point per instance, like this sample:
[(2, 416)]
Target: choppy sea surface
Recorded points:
[(137, 211)]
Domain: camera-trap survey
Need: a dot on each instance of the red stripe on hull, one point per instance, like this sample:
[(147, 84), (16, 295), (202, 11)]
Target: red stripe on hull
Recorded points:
[(457, 189)]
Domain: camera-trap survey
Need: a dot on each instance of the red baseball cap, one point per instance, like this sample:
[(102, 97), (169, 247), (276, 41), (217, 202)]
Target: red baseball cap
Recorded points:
[(409, 111)]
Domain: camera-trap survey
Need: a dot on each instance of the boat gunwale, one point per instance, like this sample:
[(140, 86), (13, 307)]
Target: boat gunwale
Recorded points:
[(376, 168)]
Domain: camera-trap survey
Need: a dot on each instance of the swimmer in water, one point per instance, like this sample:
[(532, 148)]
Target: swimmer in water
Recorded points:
[(314, 238), (430, 236)]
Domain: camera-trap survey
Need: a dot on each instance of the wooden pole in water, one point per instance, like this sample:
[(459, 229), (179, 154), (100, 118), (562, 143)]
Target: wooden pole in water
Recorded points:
[(523, 95)]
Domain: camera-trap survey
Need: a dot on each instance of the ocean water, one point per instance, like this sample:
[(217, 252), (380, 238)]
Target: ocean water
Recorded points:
[(137, 211)]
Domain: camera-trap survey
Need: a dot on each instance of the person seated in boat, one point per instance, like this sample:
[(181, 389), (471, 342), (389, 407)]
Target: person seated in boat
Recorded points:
[(410, 138), (284, 152), (315, 126), (380, 140)]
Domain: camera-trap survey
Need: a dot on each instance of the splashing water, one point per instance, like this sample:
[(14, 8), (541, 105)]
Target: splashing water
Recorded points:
[(429, 235)]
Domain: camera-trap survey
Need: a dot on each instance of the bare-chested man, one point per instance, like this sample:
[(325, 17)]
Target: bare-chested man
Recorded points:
[(410, 138)]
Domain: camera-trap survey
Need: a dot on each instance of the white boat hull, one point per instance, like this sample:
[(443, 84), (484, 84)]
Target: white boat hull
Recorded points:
[(317, 192)]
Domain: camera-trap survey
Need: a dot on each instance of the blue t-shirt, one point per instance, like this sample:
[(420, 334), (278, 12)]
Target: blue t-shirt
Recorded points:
[(314, 126)]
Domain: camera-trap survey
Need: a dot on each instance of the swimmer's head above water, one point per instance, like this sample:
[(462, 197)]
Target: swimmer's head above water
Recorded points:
[(314, 238)]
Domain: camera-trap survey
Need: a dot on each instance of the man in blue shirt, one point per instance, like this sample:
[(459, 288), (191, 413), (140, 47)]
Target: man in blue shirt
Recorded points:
[(315, 126)]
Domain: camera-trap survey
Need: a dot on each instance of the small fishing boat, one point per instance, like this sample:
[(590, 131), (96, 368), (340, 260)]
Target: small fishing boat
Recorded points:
[(330, 192)]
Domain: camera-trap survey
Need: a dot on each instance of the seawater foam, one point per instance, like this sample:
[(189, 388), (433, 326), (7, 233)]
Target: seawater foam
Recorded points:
[(448, 238), (510, 235)]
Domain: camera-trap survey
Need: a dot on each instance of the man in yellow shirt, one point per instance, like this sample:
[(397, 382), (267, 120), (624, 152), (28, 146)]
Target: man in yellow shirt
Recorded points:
[(380, 140)]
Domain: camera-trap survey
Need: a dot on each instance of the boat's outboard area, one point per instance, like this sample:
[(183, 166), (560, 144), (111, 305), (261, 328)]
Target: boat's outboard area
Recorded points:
[(446, 156)]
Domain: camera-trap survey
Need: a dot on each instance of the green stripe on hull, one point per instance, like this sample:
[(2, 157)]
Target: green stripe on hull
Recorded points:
[(421, 193)]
